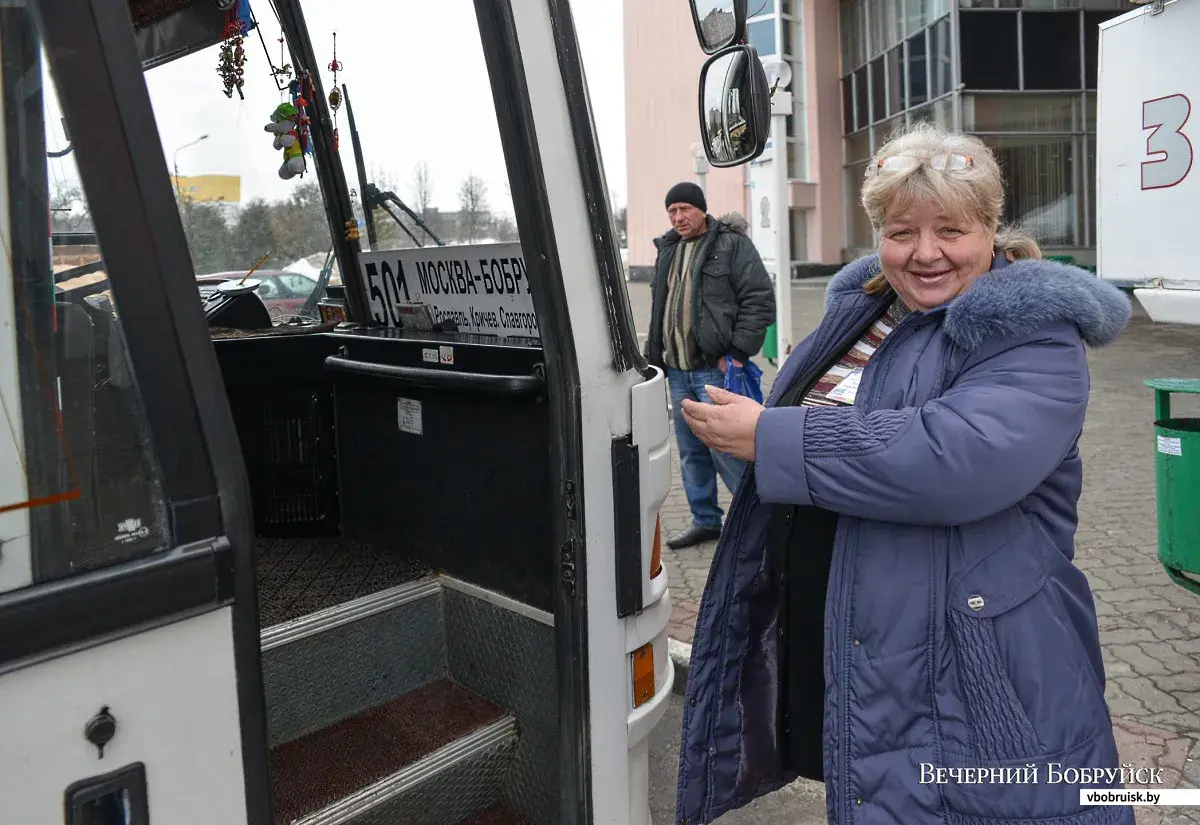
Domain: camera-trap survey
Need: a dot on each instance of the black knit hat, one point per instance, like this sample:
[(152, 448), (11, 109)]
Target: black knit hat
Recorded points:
[(687, 192)]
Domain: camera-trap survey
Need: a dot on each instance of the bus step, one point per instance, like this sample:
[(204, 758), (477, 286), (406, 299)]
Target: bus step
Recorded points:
[(433, 756), (332, 664), (299, 576)]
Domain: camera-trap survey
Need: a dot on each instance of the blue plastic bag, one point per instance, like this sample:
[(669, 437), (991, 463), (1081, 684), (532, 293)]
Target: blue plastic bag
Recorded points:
[(745, 380)]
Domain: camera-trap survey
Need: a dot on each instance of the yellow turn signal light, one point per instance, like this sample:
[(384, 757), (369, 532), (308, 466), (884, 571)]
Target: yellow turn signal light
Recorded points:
[(643, 674)]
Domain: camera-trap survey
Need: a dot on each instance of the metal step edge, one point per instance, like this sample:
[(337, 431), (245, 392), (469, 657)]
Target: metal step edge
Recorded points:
[(360, 802), (347, 612)]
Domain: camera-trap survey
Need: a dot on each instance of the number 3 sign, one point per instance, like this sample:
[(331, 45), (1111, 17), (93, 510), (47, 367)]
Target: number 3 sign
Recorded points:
[(1167, 117)]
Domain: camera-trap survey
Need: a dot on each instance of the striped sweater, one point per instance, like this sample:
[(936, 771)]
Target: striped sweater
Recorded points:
[(855, 358)]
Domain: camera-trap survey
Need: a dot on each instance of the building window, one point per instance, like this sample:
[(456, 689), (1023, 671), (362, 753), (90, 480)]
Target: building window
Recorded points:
[(793, 46), (1050, 50), (1091, 44), (918, 81), (939, 113), (1041, 194), (914, 23), (848, 104), (761, 34), (886, 129), (849, 33), (862, 110), (757, 7), (857, 146), (895, 81), (859, 234), (893, 23), (988, 49), (941, 50), (878, 90), (1021, 113), (875, 27), (1090, 184)]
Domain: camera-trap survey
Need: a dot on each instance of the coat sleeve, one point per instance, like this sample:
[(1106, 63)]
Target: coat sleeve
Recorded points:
[(755, 296), (995, 434)]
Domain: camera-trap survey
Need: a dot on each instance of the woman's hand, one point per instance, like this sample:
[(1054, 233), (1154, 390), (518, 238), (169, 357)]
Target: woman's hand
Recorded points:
[(727, 424)]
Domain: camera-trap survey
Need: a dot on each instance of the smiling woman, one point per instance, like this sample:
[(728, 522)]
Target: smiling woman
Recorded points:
[(925, 434)]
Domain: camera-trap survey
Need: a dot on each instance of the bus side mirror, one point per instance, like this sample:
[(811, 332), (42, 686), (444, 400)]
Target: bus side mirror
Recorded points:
[(719, 23), (735, 107)]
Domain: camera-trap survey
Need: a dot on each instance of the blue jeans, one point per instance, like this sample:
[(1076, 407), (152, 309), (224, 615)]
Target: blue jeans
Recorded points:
[(698, 463)]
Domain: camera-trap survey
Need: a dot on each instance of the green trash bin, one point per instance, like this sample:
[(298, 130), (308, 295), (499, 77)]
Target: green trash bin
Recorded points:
[(770, 349), (1177, 456)]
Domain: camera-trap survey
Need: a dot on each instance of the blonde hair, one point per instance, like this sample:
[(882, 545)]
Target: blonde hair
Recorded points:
[(977, 191)]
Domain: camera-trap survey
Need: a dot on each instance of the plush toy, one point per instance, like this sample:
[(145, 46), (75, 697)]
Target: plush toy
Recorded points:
[(287, 137)]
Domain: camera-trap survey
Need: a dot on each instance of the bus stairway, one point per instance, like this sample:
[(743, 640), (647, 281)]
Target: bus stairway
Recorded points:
[(367, 725)]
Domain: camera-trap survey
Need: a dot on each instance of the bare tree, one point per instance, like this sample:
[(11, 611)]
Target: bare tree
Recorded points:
[(70, 211), (473, 215), (422, 189)]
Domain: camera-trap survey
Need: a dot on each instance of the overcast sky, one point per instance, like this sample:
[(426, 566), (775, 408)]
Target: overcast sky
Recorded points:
[(418, 82)]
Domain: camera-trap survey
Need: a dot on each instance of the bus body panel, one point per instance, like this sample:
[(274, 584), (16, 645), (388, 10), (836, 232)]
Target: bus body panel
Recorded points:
[(173, 694)]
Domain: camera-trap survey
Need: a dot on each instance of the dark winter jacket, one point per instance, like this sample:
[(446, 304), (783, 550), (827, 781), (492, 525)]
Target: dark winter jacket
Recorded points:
[(958, 633), (733, 298)]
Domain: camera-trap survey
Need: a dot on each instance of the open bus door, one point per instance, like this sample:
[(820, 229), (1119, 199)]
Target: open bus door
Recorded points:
[(357, 572), (128, 643)]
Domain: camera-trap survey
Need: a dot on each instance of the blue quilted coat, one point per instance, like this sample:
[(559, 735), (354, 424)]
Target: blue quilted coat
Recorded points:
[(958, 633)]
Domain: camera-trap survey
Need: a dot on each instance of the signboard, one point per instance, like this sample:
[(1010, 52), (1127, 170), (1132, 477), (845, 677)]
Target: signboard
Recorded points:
[(1147, 131), (210, 188), (482, 288)]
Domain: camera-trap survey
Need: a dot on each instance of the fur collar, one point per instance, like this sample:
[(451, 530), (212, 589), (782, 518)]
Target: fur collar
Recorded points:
[(1016, 299)]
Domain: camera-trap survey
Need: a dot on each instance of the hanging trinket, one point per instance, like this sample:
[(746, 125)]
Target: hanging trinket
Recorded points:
[(284, 72), (232, 62), (335, 94)]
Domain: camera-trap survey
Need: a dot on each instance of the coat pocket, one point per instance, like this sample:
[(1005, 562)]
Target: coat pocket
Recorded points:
[(1021, 670)]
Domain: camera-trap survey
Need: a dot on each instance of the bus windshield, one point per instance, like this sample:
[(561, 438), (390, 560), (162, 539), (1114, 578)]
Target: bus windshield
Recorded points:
[(247, 186)]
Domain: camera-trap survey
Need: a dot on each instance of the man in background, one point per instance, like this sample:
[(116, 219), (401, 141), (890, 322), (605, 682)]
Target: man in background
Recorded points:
[(712, 300)]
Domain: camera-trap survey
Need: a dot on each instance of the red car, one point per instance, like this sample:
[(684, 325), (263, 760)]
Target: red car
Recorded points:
[(282, 291)]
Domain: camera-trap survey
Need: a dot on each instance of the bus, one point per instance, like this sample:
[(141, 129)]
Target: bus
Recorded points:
[(393, 557)]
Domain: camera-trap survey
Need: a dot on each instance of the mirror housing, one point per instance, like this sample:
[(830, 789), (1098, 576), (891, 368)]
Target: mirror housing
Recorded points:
[(722, 24), (735, 107)]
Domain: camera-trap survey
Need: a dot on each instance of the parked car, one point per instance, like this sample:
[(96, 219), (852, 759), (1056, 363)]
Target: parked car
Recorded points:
[(283, 292)]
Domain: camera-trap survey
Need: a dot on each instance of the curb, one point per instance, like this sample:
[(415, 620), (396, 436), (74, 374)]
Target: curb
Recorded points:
[(681, 658)]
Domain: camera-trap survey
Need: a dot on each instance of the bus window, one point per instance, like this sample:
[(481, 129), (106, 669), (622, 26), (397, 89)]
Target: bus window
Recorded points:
[(425, 118), (80, 488), (238, 214)]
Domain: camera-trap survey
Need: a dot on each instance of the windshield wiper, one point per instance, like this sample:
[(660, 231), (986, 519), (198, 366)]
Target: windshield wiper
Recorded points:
[(372, 196)]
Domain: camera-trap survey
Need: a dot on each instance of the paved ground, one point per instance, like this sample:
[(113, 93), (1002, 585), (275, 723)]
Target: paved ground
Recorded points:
[(1150, 628)]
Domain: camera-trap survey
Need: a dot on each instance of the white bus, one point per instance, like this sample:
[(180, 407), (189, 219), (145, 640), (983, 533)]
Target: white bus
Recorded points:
[(380, 556)]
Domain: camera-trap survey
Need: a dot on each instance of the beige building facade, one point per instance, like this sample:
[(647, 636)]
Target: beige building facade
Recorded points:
[(1019, 74), (662, 68)]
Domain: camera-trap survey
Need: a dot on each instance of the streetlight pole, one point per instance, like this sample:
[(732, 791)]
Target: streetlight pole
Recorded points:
[(781, 107), (175, 164)]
